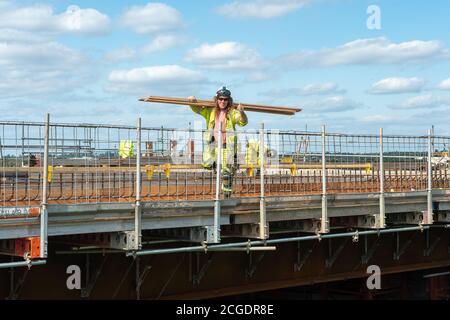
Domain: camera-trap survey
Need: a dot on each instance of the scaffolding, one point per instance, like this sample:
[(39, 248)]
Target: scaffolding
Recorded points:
[(44, 164)]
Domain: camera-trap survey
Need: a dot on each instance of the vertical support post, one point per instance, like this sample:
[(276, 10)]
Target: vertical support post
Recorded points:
[(137, 208), (429, 215), (44, 214), (381, 177), (218, 176), (191, 147), (324, 221), (23, 146), (262, 200)]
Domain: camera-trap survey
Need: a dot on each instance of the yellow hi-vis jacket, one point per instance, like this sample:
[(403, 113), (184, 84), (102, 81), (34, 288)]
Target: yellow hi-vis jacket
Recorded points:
[(209, 152), (252, 155), (233, 117), (126, 148)]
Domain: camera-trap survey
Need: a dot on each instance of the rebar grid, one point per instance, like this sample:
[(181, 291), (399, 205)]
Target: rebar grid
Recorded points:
[(21, 148), (97, 163), (440, 162)]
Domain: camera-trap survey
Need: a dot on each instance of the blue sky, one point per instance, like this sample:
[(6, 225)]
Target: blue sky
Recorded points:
[(90, 61)]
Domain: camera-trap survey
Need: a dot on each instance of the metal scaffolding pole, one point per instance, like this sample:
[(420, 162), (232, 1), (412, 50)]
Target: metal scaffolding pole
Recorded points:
[(429, 215), (28, 264), (263, 248), (324, 221), (433, 275), (251, 244), (381, 177), (137, 208), (44, 213), (216, 238), (263, 234)]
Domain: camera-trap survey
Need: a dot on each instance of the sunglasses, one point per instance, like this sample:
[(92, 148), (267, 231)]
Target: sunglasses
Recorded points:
[(223, 99)]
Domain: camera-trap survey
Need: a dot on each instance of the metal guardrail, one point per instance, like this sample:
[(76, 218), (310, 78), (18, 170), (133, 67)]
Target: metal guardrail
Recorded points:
[(50, 163), (98, 163)]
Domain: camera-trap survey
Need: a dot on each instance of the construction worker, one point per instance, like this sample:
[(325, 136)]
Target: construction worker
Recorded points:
[(229, 117), (253, 157)]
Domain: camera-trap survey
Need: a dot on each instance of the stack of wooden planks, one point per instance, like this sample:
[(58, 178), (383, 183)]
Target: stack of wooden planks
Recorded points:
[(210, 103)]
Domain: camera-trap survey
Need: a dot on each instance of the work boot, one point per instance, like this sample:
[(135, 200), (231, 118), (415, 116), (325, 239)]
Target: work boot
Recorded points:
[(227, 181)]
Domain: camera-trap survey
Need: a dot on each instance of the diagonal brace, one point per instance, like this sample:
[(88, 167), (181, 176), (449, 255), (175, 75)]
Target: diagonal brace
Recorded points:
[(202, 272), (302, 260), (15, 290), (87, 290), (253, 266), (430, 247), (332, 259), (400, 251)]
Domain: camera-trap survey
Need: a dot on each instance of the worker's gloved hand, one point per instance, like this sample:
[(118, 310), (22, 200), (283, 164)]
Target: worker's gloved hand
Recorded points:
[(240, 107), (192, 99)]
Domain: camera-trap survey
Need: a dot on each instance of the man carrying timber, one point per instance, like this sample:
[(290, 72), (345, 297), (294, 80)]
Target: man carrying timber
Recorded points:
[(227, 115)]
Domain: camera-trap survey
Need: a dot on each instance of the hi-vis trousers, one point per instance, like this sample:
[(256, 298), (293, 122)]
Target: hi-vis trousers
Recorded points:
[(229, 162)]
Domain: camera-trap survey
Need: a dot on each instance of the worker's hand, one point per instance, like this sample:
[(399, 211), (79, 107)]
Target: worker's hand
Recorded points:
[(240, 107), (192, 99)]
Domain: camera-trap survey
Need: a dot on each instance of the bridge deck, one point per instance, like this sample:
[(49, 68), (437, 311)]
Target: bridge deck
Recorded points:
[(69, 219)]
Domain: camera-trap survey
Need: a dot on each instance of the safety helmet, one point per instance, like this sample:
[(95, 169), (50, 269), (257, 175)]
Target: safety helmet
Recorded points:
[(223, 92)]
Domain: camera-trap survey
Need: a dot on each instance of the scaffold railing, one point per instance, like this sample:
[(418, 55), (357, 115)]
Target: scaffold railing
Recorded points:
[(89, 163)]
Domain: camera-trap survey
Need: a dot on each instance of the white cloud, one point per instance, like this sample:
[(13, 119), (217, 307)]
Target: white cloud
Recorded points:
[(37, 56), (379, 118), (13, 35), (71, 108), (167, 78), (41, 18), (397, 85), (319, 89), (86, 21), (370, 52), (423, 102), (6, 4), (331, 104), (35, 18), (444, 85), (263, 9), (165, 73), (152, 18), (225, 56), (31, 65), (259, 76), (308, 90), (161, 43), (122, 54), (31, 62)]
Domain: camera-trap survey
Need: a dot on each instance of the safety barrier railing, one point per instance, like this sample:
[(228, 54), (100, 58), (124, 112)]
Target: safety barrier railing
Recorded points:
[(21, 160), (440, 162), (406, 163), (172, 165), (90, 163)]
